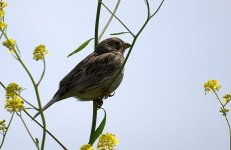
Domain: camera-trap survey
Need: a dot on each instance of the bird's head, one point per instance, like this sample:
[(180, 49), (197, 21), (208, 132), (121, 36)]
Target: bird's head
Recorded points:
[(112, 44)]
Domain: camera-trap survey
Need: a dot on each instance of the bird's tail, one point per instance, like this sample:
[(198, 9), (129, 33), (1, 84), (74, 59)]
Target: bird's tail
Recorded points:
[(55, 99)]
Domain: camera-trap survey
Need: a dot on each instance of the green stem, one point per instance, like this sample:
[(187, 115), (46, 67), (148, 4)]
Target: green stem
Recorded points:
[(157, 9), (46, 130), (28, 103), (1, 36), (43, 73), (40, 105), (130, 50), (218, 99), (97, 23), (110, 19), (4, 136), (36, 91), (18, 49), (135, 37), (94, 115), (27, 129), (148, 8), (125, 61), (94, 120), (118, 19), (226, 118)]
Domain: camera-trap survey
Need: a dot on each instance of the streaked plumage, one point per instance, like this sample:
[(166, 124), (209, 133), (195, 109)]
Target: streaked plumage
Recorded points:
[(92, 77)]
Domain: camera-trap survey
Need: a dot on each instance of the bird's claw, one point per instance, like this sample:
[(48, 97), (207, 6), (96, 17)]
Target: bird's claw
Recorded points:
[(111, 94), (99, 103)]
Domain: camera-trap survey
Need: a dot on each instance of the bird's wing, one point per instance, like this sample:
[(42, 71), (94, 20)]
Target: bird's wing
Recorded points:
[(90, 72)]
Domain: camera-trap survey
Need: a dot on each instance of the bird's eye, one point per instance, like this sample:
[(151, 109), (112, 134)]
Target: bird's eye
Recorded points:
[(117, 43)]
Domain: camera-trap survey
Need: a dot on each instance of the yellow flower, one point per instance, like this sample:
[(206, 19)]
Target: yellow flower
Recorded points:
[(2, 25), (2, 6), (226, 98), (212, 85), (15, 104), (86, 147), (39, 52), (13, 90), (10, 44), (3, 125), (1, 13), (107, 142)]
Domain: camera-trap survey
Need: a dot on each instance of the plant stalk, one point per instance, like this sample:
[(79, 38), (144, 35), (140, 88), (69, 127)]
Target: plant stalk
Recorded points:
[(94, 115), (46, 130), (36, 91), (8, 126)]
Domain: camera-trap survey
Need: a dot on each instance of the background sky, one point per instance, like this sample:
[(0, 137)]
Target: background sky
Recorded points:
[(161, 102)]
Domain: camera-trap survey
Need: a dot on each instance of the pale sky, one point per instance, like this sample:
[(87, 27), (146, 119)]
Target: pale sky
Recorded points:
[(160, 104)]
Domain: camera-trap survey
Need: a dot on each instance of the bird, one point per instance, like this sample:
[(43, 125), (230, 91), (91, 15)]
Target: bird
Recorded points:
[(96, 77)]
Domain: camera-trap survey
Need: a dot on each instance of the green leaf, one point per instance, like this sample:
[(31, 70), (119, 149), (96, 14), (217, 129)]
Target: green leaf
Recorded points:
[(119, 33), (82, 46), (37, 141), (99, 130)]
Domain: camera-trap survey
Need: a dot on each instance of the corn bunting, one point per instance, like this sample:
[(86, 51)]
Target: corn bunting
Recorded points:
[(96, 76)]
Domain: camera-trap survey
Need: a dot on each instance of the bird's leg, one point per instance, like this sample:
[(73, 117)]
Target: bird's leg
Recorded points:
[(99, 102)]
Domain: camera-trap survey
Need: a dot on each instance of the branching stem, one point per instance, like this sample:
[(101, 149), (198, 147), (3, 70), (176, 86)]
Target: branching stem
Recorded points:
[(8, 126), (225, 115), (36, 91), (94, 115)]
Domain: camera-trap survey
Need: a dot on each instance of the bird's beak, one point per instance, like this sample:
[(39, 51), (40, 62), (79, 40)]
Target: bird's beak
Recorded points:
[(126, 45)]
